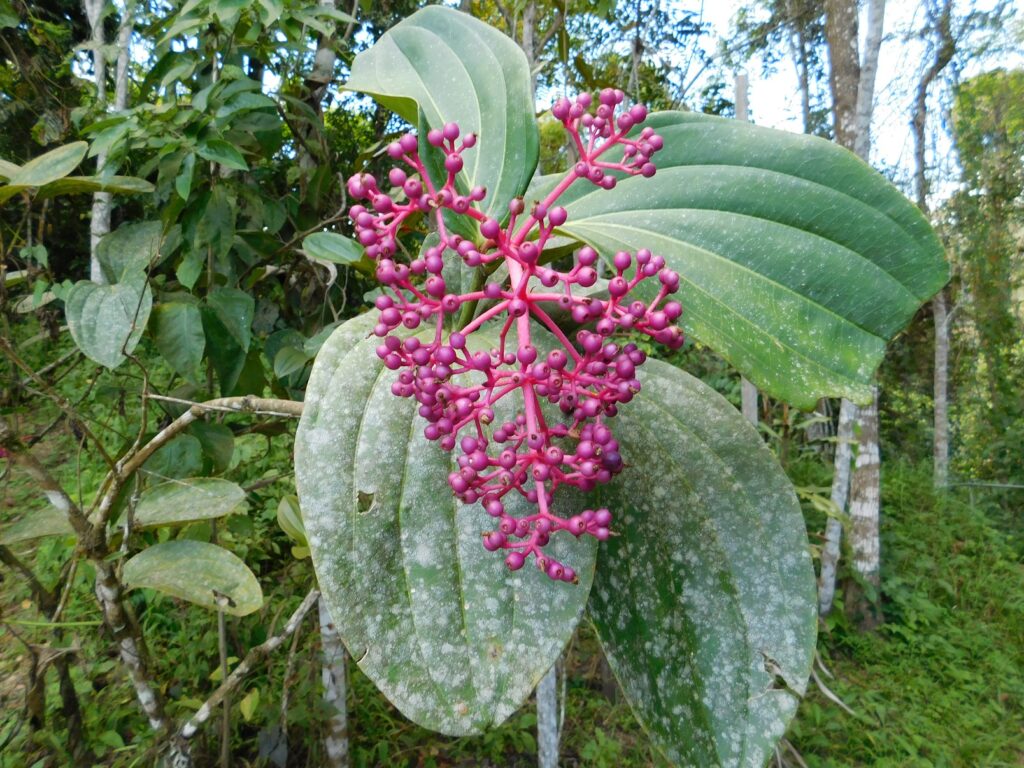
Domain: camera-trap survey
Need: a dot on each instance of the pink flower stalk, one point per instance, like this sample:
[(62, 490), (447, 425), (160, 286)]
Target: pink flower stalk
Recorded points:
[(529, 455)]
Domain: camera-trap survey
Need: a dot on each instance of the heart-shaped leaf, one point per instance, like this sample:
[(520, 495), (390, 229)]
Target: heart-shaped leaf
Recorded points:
[(106, 319), (705, 601), (798, 261), (200, 573), (449, 67), (128, 251), (455, 640), (185, 501)]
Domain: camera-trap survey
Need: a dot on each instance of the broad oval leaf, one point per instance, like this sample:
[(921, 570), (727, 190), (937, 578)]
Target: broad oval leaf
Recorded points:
[(705, 601), (185, 501), (177, 329), (198, 572), (798, 261), (106, 319), (234, 309), (455, 640), (448, 66), (330, 246), (37, 524), (223, 152), (48, 167)]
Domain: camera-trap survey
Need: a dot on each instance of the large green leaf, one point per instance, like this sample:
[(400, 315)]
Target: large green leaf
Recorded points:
[(234, 309), (53, 165), (106, 319), (126, 253), (455, 640), (798, 261), (184, 501), (198, 572), (448, 66), (36, 524), (77, 185), (705, 601), (177, 328), (330, 246)]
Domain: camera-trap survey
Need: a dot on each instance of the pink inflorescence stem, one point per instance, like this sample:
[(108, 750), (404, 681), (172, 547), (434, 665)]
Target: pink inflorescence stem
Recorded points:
[(529, 455)]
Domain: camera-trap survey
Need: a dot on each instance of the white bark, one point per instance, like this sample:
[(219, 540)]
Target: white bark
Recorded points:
[(333, 674), (940, 316), (865, 498), (99, 222), (547, 720), (944, 46), (840, 491), (866, 86)]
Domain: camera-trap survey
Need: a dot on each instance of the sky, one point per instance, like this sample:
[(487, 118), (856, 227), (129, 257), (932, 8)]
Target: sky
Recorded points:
[(774, 99)]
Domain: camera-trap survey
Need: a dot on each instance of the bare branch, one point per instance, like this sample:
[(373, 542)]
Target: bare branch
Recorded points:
[(233, 680)]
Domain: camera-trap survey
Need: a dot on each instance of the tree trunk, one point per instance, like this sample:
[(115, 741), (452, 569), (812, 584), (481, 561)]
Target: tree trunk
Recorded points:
[(853, 85), (840, 490), (335, 680), (865, 502), (945, 48), (940, 316), (99, 222), (547, 719), (866, 81), (841, 30)]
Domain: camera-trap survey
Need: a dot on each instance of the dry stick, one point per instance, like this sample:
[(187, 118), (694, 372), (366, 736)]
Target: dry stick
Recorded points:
[(235, 678), (830, 695)]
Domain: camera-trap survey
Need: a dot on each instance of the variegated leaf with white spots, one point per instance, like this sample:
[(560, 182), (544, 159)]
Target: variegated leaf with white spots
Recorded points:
[(705, 601), (448, 634)]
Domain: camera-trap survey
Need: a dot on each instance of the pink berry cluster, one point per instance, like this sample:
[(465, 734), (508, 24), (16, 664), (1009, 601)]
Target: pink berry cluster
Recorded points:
[(458, 380)]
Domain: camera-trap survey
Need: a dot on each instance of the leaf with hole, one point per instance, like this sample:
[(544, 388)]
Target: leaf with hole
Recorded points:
[(453, 638), (196, 572), (705, 601)]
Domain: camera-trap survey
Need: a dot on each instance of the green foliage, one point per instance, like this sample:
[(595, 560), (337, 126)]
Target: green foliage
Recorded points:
[(941, 683), (706, 574), (448, 633)]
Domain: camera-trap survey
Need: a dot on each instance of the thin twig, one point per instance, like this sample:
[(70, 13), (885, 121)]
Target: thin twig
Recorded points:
[(831, 696), (233, 680)]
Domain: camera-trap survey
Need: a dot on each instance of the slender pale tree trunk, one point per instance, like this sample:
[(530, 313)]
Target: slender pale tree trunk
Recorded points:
[(944, 46), (865, 502), (852, 83), (334, 675), (940, 317), (840, 491), (548, 729), (99, 223)]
